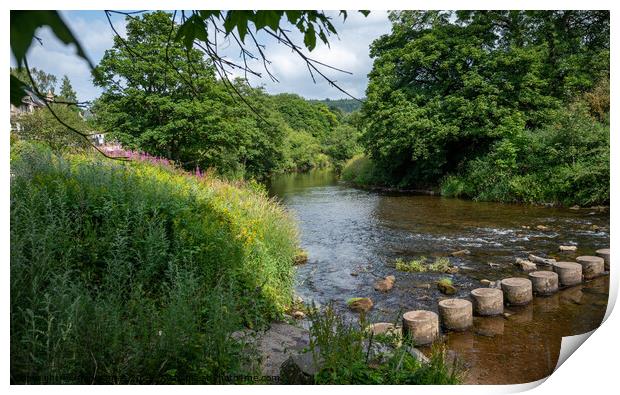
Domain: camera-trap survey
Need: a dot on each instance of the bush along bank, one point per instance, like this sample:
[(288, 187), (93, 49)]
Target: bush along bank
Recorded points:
[(563, 163), (136, 272), (511, 112)]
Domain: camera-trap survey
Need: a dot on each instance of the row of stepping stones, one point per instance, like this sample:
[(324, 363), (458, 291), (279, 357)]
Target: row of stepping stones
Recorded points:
[(422, 326)]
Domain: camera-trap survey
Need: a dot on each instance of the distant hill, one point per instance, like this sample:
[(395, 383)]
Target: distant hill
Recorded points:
[(345, 105)]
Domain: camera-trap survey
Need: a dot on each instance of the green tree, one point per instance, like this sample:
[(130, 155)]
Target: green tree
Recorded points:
[(183, 114), (447, 86), (44, 82), (67, 93), (42, 126)]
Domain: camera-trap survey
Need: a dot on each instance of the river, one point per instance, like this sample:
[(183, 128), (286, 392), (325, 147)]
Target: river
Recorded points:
[(353, 238)]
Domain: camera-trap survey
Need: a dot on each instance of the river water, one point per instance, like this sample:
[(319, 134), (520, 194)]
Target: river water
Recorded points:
[(353, 238)]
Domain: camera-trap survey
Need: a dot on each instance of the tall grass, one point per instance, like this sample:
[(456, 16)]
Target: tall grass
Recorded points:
[(361, 170), (137, 272), (344, 350)]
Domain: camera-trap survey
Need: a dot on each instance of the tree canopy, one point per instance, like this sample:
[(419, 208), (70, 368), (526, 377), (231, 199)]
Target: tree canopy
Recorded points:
[(188, 115), (446, 86)]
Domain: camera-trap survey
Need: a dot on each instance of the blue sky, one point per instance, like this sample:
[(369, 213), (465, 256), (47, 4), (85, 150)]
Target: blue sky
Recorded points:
[(348, 51)]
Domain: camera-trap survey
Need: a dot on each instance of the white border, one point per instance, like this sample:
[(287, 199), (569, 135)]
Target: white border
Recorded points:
[(591, 369)]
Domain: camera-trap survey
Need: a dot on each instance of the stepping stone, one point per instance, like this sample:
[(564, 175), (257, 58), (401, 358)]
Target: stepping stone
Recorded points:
[(544, 282), (488, 301), (456, 314), (592, 266), (569, 273), (421, 326), (604, 253), (517, 290)]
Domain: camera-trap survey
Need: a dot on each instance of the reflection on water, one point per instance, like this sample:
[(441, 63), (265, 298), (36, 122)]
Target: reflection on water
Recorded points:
[(353, 237)]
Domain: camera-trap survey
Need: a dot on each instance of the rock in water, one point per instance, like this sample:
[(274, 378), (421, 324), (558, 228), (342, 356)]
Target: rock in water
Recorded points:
[(360, 305), (460, 253), (298, 314), (486, 282), (301, 257), (542, 227), (386, 284), (542, 261), (446, 288), (525, 265), (568, 248)]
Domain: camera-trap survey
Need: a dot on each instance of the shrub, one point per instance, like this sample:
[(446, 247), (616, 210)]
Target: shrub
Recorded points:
[(137, 273), (566, 162), (361, 170)]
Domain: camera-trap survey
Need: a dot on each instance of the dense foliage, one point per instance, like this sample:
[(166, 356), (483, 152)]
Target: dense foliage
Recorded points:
[(486, 96), (344, 105), (137, 272), (196, 120), (41, 125)]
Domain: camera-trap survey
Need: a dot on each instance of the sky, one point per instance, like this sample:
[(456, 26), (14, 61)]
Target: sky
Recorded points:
[(348, 51)]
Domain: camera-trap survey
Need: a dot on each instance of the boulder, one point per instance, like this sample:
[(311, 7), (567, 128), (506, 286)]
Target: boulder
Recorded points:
[(384, 328), (360, 305), (460, 253), (274, 346), (486, 282), (417, 354), (380, 353), (568, 248), (300, 368), (592, 266), (542, 227)]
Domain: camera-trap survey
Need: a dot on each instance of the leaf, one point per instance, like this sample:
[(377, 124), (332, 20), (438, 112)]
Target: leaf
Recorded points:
[(310, 38), (323, 37), (365, 12), (293, 16), (18, 91), (24, 25), (273, 20), (192, 29)]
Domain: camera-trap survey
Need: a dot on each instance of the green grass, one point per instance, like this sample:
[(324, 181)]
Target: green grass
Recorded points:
[(343, 349), (138, 273), (420, 265)]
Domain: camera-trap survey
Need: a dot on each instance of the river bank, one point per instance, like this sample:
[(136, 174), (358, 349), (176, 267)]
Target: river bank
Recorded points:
[(362, 172)]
